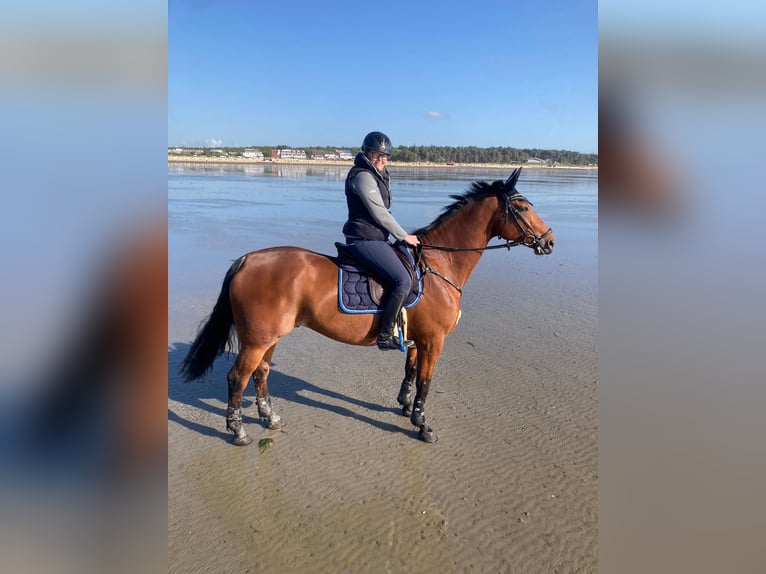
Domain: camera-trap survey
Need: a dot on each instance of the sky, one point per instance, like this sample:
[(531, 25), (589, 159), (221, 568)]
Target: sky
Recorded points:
[(509, 73)]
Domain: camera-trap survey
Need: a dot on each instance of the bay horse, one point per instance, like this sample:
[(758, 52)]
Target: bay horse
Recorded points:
[(268, 293)]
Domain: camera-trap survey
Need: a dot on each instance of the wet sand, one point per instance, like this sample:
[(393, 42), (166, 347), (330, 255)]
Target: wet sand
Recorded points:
[(511, 485)]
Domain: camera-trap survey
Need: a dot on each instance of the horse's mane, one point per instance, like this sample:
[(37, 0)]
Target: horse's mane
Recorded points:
[(477, 190)]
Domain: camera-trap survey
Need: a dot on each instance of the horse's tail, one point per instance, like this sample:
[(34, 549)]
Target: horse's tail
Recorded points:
[(215, 334)]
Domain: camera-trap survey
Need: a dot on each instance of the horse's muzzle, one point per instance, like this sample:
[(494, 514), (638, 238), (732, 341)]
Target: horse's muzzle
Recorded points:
[(545, 245)]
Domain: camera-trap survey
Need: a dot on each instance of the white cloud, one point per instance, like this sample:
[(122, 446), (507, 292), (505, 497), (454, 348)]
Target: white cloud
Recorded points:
[(437, 115), (212, 142)]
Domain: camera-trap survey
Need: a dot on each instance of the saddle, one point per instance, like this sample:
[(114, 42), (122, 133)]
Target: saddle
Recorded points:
[(361, 292)]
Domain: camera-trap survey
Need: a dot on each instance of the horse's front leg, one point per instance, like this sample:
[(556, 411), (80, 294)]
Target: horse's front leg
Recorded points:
[(410, 376), (428, 355), (262, 398)]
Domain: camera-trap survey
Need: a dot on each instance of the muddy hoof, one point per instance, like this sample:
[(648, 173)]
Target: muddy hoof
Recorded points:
[(427, 435), (406, 411), (277, 425), (242, 441)]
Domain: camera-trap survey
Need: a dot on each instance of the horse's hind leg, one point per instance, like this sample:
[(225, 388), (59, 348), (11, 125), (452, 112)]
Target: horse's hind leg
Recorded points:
[(247, 361), (410, 376), (262, 398)]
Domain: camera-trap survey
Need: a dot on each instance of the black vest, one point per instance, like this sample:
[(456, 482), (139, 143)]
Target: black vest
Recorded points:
[(360, 224)]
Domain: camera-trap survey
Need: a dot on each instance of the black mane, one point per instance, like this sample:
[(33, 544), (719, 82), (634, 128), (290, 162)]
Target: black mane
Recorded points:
[(478, 190)]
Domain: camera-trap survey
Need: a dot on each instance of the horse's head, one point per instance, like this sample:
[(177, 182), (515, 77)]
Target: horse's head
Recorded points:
[(518, 221)]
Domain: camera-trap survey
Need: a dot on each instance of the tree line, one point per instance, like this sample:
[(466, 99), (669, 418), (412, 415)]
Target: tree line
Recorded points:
[(473, 154), (446, 154)]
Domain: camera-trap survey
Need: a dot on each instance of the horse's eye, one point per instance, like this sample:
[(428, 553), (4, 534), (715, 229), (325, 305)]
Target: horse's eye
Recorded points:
[(523, 209)]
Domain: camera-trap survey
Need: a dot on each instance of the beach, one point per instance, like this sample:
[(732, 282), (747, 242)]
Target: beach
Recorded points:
[(346, 486), (178, 159)]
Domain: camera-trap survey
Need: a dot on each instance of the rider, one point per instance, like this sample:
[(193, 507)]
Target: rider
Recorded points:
[(368, 194)]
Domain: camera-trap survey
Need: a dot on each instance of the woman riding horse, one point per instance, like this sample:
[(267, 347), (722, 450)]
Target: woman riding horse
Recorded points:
[(368, 194), (268, 293)]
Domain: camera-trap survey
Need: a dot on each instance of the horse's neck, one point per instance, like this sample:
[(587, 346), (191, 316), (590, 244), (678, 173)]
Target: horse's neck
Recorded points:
[(469, 229)]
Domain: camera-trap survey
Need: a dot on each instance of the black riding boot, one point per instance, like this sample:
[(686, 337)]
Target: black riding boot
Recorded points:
[(387, 340)]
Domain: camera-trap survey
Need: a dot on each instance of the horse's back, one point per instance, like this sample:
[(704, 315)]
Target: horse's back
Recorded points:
[(280, 288), (284, 279), (279, 265)]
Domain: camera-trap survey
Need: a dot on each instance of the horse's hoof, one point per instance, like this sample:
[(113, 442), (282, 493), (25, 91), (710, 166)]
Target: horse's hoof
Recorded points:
[(406, 411), (427, 435), (277, 425), (242, 440)]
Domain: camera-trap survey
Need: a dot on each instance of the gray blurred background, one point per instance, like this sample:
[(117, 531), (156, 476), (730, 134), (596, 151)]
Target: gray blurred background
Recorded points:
[(682, 96)]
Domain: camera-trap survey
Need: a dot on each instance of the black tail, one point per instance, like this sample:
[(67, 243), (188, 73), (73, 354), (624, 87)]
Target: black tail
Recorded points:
[(216, 333)]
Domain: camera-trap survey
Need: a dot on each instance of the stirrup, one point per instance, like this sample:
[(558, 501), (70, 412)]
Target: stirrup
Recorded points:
[(388, 342)]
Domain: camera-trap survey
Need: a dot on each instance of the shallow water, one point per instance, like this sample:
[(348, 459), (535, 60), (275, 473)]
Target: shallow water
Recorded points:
[(217, 213)]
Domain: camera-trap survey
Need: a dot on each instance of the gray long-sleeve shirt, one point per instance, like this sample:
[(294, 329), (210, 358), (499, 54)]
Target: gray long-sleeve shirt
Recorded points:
[(366, 188)]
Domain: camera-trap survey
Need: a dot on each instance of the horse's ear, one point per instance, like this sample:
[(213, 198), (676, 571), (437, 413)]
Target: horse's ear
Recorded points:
[(510, 183)]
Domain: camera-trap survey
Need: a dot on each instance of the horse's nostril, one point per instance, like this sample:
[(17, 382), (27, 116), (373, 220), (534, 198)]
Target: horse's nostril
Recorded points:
[(550, 243)]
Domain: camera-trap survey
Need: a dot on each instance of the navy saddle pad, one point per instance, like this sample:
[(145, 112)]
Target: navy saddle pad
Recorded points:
[(354, 289)]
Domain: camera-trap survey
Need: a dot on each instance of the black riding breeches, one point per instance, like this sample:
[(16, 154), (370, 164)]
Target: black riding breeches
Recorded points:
[(379, 258)]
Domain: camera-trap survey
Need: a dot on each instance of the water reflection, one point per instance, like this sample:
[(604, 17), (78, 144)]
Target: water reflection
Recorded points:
[(239, 207), (288, 171), (562, 176)]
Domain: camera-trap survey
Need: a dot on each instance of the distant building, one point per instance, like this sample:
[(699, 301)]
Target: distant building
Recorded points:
[(535, 160), (186, 151), (336, 155), (290, 153), (253, 153)]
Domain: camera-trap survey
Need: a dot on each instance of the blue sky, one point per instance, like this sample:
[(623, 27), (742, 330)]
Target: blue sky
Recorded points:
[(483, 73)]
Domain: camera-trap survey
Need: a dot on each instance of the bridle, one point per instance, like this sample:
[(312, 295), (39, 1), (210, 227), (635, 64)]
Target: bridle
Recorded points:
[(510, 212), (530, 239)]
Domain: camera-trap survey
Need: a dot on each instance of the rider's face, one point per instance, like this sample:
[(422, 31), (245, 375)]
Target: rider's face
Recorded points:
[(378, 159)]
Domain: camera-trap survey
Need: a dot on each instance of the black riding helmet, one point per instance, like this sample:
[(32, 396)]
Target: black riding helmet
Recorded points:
[(377, 141)]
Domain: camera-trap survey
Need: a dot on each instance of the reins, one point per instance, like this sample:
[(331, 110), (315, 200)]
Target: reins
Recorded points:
[(507, 245), (426, 268)]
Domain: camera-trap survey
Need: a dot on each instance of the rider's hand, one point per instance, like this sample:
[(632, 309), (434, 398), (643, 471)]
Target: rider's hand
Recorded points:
[(412, 240)]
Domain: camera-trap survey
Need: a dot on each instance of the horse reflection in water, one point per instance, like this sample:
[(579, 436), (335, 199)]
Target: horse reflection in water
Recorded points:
[(268, 293)]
